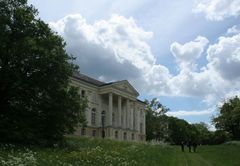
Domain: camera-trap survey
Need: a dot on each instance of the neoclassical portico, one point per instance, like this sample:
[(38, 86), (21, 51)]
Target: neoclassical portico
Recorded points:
[(114, 111)]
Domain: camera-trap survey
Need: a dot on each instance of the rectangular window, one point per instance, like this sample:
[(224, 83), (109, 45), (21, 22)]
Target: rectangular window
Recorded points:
[(116, 134), (93, 116), (103, 118), (94, 132), (141, 128), (125, 136), (83, 131), (83, 93)]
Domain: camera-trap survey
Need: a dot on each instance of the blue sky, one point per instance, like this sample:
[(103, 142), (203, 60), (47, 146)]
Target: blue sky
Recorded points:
[(185, 53)]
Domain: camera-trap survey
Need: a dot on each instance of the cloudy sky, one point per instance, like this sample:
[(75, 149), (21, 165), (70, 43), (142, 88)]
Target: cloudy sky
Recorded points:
[(184, 52)]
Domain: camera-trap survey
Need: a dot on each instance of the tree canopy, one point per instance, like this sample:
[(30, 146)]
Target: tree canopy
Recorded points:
[(161, 127), (156, 120), (229, 117), (37, 103)]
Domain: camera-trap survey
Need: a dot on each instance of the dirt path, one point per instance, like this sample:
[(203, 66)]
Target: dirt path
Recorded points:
[(196, 160)]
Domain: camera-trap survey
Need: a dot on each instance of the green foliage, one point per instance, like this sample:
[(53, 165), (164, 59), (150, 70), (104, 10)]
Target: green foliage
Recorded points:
[(206, 137), (219, 137), (37, 104), (24, 157), (156, 120), (204, 133), (178, 130), (229, 118), (91, 152), (155, 107), (163, 128), (182, 131)]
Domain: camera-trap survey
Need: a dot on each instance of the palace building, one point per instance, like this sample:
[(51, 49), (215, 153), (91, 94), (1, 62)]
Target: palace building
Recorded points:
[(113, 112)]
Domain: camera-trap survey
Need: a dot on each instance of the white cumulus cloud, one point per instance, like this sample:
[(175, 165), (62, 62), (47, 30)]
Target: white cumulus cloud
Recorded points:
[(113, 49), (219, 77), (183, 113), (233, 30), (224, 57), (188, 53), (117, 49), (218, 10)]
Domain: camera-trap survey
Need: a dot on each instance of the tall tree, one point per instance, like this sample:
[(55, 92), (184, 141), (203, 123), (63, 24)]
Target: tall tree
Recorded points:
[(179, 130), (37, 104), (156, 120), (204, 133), (229, 117)]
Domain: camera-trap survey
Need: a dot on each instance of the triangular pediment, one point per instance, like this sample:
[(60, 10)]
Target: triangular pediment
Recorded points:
[(126, 87)]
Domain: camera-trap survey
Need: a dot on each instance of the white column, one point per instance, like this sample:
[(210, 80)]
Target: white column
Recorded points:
[(110, 106), (132, 116), (127, 114), (124, 114), (123, 117), (135, 116), (99, 111), (138, 120), (144, 122), (119, 111), (88, 116)]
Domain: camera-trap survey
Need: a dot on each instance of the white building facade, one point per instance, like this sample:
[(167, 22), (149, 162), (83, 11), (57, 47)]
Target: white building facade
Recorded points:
[(113, 112)]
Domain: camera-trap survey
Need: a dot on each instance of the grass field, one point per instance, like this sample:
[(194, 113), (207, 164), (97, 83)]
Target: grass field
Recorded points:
[(83, 151)]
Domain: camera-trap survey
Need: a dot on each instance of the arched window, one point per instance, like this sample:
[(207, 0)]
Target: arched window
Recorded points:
[(103, 118), (93, 116)]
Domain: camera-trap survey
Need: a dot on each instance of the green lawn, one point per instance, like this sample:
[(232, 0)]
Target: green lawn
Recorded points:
[(106, 152)]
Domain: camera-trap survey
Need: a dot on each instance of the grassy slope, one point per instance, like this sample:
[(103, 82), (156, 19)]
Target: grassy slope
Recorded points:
[(98, 152), (223, 155)]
